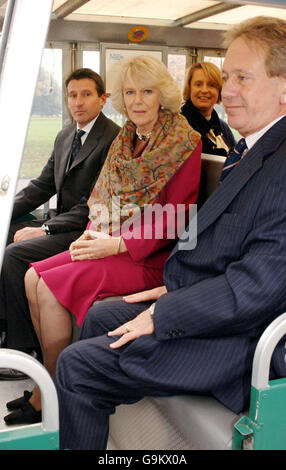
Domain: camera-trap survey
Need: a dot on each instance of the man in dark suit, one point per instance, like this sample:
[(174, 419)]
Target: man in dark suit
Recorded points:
[(201, 333), (70, 173)]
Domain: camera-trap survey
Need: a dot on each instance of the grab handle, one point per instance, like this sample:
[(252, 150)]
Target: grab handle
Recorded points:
[(34, 369)]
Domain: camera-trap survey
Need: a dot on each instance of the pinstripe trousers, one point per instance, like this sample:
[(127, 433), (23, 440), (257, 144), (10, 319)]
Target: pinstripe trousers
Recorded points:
[(90, 382), (92, 379)]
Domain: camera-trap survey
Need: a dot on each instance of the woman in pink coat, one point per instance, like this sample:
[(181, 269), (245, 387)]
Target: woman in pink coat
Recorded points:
[(154, 162)]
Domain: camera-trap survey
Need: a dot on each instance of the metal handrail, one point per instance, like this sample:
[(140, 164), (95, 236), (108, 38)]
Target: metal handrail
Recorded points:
[(30, 366), (264, 350)]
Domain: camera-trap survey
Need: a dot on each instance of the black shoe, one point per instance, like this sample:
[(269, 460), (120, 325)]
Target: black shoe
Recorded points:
[(24, 415), (15, 404), (11, 374)]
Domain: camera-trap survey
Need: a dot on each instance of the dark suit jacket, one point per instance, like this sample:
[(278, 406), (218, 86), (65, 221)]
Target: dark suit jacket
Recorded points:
[(74, 186), (225, 292)]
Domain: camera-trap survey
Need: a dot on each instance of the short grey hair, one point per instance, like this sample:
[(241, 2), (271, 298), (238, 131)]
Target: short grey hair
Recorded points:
[(268, 33)]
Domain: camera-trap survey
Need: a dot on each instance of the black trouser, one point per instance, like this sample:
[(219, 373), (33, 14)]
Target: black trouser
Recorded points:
[(14, 308)]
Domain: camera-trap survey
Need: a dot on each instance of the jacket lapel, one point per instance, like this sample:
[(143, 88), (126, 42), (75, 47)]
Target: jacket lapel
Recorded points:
[(236, 180), (91, 141), (228, 190), (66, 148)]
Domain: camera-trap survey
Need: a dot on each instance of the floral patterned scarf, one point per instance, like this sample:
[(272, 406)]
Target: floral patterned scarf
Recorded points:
[(138, 181)]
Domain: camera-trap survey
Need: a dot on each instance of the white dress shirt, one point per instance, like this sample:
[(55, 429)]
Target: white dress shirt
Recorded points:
[(253, 138), (87, 129)]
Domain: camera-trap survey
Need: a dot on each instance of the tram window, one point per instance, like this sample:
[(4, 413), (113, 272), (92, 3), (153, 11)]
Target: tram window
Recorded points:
[(91, 59), (218, 61), (110, 112), (46, 118), (177, 68)]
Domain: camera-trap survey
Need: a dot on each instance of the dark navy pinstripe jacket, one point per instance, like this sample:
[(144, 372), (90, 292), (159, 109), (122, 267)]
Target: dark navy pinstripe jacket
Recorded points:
[(222, 294)]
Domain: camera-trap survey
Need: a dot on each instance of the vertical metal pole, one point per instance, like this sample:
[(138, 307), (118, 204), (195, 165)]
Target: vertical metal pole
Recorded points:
[(25, 36), (5, 32)]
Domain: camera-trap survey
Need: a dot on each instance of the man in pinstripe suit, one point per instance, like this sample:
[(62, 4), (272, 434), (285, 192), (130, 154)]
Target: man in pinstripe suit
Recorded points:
[(200, 334)]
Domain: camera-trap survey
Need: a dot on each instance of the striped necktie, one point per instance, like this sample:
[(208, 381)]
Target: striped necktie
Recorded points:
[(233, 158), (76, 146)]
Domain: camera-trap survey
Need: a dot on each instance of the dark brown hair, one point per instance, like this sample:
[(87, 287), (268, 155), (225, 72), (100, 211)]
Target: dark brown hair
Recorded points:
[(87, 73)]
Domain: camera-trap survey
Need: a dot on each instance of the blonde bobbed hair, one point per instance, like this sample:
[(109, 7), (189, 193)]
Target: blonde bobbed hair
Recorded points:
[(211, 71), (152, 73)]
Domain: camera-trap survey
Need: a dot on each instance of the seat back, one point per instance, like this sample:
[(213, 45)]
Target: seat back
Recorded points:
[(210, 175)]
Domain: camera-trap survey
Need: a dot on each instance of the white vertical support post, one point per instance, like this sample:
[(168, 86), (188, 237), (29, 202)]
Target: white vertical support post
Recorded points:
[(28, 27)]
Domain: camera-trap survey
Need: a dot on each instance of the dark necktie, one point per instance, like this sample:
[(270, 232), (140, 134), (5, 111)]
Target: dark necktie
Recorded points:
[(76, 146), (233, 158)]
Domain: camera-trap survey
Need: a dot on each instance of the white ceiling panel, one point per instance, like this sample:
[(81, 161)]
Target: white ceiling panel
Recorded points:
[(165, 12), (159, 12), (161, 9), (244, 12), (162, 12)]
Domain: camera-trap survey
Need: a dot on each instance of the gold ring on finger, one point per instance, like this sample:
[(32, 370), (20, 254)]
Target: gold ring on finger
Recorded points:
[(127, 328)]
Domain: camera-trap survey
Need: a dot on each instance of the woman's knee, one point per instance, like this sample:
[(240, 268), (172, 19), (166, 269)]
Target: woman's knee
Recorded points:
[(31, 281), (44, 294)]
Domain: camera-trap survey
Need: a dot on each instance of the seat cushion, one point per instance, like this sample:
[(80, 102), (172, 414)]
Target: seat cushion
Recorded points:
[(185, 422)]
